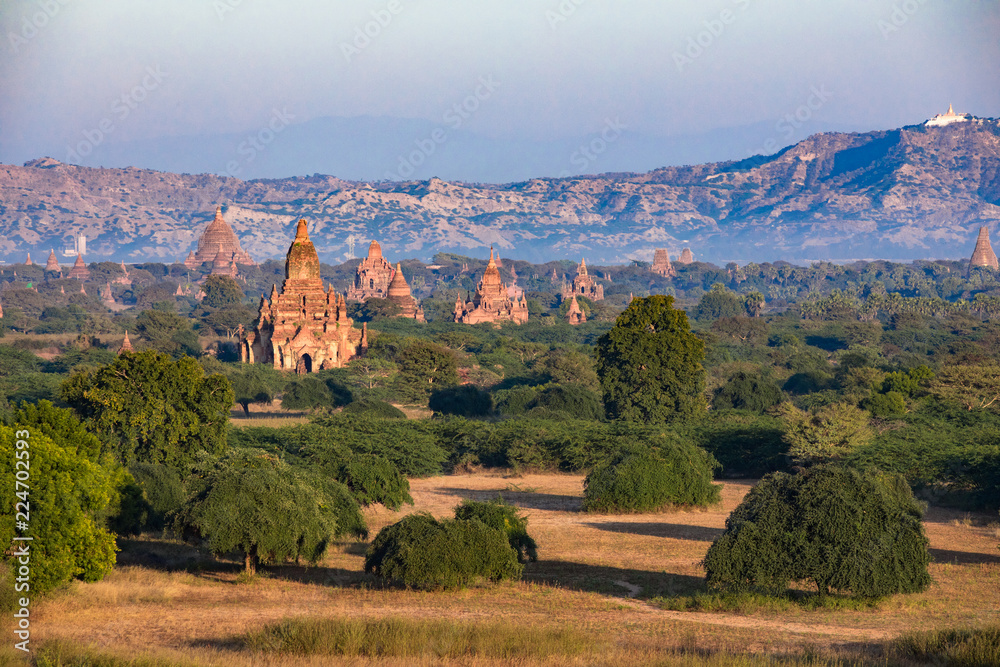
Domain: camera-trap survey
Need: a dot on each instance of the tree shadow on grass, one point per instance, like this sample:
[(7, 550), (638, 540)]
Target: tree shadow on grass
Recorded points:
[(168, 555), (525, 499), (613, 581), (962, 557), (657, 529)]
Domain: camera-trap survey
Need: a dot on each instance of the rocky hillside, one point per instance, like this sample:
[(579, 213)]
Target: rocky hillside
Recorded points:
[(914, 192)]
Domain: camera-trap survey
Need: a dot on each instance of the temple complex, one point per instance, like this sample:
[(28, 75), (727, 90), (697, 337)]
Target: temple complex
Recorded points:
[(52, 263), (575, 315), (983, 255), (583, 285), (79, 270), (661, 264), (373, 277), (219, 235), (687, 257), (491, 302), (399, 294), (304, 328)]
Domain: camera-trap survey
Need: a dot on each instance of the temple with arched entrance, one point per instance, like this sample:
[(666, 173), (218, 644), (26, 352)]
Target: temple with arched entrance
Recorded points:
[(305, 328)]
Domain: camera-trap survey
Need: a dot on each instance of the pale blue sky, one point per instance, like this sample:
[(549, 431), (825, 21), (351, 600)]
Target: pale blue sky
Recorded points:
[(561, 67)]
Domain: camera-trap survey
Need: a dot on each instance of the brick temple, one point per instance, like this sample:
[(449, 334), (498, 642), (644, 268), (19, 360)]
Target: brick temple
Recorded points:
[(304, 328), (373, 277), (218, 236), (583, 285), (491, 303), (983, 255), (399, 294), (661, 264)]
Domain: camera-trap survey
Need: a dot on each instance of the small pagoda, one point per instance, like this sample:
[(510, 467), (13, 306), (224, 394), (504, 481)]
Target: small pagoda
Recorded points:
[(491, 302), (373, 277), (583, 285), (983, 255), (79, 270), (399, 294)]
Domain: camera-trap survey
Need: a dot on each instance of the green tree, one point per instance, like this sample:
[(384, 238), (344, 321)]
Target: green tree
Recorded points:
[(149, 408), (501, 515), (253, 503), (371, 372), (747, 391), (719, 302), (254, 384), (424, 367), (841, 529), (974, 387), (221, 292), (650, 364), (306, 393), (67, 495)]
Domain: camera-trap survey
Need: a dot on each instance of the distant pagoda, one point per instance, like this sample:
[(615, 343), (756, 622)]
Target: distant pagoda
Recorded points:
[(687, 257), (399, 294), (661, 264), (28, 261), (491, 302), (574, 315), (983, 255), (52, 263), (583, 285), (219, 236), (79, 270), (373, 277)]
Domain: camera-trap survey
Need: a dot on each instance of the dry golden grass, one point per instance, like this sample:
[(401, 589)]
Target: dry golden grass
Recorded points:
[(595, 574)]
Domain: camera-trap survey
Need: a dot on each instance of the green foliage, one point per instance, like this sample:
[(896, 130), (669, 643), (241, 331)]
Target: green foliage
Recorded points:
[(162, 491), (254, 384), (827, 433), (907, 383), (650, 364), (502, 516), (636, 479), (421, 552), (574, 401), (306, 393), (373, 479), (744, 443), (568, 367), (424, 367), (838, 528), (221, 292), (719, 302), (970, 647), (514, 401), (167, 332), (69, 494), (253, 503), (889, 404), (464, 400), (747, 391), (17, 362), (149, 408), (972, 386), (373, 408)]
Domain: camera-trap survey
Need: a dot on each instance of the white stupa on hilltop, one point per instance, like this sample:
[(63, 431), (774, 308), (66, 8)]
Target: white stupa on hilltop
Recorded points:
[(948, 117)]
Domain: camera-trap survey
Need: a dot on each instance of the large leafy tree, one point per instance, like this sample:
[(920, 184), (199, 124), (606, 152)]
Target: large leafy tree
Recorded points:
[(841, 529), (650, 364), (221, 292), (423, 368), (150, 408), (252, 502)]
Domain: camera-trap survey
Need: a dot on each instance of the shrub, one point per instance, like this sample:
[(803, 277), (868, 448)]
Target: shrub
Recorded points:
[(839, 528), (747, 391), (464, 400), (372, 407), (421, 552), (744, 443), (888, 404), (504, 517), (514, 401), (374, 479), (642, 480), (575, 401), (305, 394), (161, 489)]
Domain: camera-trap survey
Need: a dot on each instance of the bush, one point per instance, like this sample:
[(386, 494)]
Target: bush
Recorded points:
[(372, 407), (747, 391), (162, 491), (464, 400), (374, 479), (305, 394), (889, 404), (839, 528), (575, 401), (421, 552), (504, 517), (744, 443), (642, 480)]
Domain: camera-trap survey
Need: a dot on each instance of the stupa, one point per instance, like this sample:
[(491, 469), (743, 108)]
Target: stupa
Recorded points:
[(28, 262), (687, 257), (52, 263), (373, 277), (399, 294), (218, 235), (661, 264), (491, 302), (583, 285), (983, 255), (575, 315), (304, 328), (79, 270), (190, 261), (126, 345)]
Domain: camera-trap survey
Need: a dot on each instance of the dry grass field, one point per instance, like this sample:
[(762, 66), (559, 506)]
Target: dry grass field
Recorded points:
[(594, 597)]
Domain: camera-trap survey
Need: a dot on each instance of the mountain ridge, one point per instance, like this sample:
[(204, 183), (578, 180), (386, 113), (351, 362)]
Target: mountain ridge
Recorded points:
[(906, 193)]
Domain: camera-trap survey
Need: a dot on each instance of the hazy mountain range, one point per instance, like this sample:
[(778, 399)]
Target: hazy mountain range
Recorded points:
[(908, 193)]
